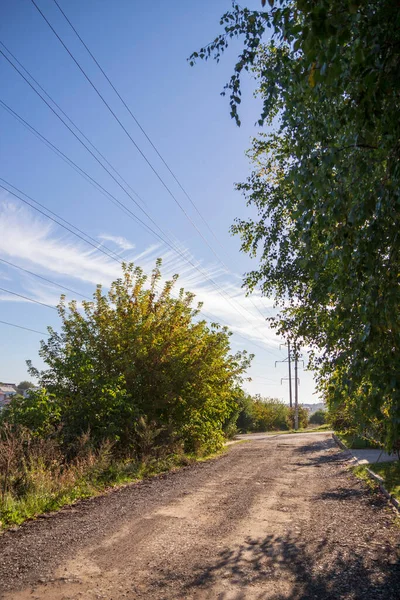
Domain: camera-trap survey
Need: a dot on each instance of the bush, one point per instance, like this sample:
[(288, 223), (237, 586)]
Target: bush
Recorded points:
[(319, 417), (262, 414), (38, 412), (36, 477), (246, 418), (303, 418), (135, 384), (270, 414), (136, 354)]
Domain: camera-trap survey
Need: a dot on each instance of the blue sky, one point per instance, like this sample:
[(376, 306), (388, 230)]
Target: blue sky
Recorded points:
[(143, 47)]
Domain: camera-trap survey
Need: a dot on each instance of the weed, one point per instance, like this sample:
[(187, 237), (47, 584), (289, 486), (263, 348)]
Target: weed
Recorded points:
[(35, 478)]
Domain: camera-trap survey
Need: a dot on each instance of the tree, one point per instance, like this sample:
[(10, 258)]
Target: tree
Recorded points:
[(303, 418), (318, 417), (326, 186), (246, 417), (269, 413), (261, 414), (25, 385), (137, 357), (38, 412)]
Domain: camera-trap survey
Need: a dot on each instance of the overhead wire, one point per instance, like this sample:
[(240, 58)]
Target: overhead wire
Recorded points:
[(71, 122), (135, 217), (127, 132), (27, 298), (123, 206), (124, 129), (62, 155), (22, 327), (44, 278), (138, 124), (143, 131), (52, 282), (99, 248), (136, 146)]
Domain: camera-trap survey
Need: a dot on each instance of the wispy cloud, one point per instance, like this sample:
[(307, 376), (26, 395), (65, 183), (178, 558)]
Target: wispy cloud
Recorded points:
[(118, 240), (37, 245)]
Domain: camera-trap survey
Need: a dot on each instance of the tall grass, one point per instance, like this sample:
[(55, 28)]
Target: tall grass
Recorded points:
[(36, 477)]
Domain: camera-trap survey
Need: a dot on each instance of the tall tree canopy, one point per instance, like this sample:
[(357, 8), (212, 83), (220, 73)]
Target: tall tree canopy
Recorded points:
[(138, 355), (326, 185)]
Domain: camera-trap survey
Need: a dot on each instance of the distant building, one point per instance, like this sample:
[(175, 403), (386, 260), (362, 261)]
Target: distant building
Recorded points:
[(312, 408), (7, 391)]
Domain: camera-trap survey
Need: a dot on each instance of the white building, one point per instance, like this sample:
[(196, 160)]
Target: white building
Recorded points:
[(7, 391)]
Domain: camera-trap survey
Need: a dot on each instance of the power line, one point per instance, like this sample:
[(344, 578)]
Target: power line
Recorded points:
[(120, 204), (63, 287), (138, 123), (64, 157), (95, 246), (248, 340), (27, 298), (135, 217), (223, 293), (21, 327), (123, 206), (70, 120), (142, 130), (100, 249), (125, 130)]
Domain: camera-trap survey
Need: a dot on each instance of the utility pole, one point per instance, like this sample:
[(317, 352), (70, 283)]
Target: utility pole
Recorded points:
[(296, 390), (290, 375), (289, 361)]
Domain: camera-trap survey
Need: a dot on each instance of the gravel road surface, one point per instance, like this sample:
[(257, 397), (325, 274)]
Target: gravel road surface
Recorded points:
[(275, 518)]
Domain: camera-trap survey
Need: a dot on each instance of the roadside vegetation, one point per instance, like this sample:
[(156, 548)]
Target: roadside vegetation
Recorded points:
[(324, 190), (136, 383), (319, 417), (136, 376), (38, 477), (390, 473), (356, 442), (268, 414)]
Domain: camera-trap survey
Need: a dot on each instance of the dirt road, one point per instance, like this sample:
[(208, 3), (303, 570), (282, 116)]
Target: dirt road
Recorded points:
[(276, 518)]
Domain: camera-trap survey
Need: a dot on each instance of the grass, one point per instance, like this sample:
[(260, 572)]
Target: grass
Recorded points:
[(355, 442), (47, 491), (310, 429), (362, 473), (390, 473)]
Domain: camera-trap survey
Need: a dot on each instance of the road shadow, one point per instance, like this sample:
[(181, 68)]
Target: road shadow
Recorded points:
[(316, 446), (321, 452), (259, 567), (343, 494)]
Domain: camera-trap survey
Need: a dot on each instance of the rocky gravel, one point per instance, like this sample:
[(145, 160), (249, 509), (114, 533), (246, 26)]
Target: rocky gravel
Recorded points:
[(275, 518)]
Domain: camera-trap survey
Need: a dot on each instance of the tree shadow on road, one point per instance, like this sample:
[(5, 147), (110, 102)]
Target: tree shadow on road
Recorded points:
[(285, 568), (317, 446), (343, 494), (327, 451)]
